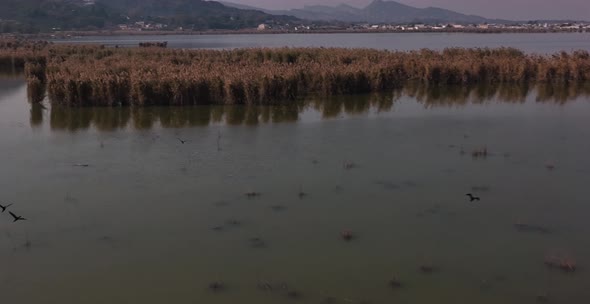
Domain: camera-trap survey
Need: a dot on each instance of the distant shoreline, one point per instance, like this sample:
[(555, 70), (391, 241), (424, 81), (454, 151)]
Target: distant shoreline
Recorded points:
[(67, 34)]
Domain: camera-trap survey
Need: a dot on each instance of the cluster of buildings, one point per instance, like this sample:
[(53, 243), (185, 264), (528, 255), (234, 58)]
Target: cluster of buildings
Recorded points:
[(529, 26), (144, 26)]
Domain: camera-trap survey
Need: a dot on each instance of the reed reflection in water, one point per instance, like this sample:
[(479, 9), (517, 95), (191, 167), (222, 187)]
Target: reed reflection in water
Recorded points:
[(143, 118)]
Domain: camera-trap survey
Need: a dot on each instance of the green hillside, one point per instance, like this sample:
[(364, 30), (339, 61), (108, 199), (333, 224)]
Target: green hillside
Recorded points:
[(47, 15)]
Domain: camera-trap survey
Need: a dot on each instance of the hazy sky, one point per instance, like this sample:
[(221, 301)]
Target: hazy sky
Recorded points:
[(507, 9)]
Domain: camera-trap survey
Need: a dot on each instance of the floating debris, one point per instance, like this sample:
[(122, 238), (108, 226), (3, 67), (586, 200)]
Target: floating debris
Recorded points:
[(349, 165), (500, 278), (25, 246), (282, 287), (410, 184), (395, 283), (109, 240), (265, 286), (252, 194), (449, 171), (433, 210), (257, 242), (480, 153), (428, 269), (233, 222), (485, 285), (268, 286), (522, 227), (82, 165), (330, 300), (218, 141), (278, 208), (294, 294), (480, 188), (347, 235), (387, 185), (566, 264), (217, 286), (221, 204), (542, 298), (106, 238), (70, 199)]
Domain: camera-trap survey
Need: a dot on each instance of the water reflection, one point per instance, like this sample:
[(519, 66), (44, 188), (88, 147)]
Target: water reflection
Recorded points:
[(36, 114), (10, 84), (109, 119), (562, 94), (433, 96)]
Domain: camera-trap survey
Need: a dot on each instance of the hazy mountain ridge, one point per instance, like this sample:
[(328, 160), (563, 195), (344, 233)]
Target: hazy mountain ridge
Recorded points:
[(379, 11), (98, 14), (58, 13)]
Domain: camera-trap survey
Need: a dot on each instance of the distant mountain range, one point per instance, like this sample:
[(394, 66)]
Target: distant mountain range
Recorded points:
[(379, 11), (31, 15), (45, 15)]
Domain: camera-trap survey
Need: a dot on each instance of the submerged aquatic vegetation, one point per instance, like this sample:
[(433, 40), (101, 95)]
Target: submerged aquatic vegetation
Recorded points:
[(99, 76)]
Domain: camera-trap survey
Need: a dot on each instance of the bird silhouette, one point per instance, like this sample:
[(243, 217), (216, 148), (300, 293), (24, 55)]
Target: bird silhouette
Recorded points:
[(4, 207), (181, 140), (16, 217), (472, 197)]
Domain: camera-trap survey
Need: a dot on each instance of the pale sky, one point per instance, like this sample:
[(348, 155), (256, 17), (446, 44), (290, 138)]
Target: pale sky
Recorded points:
[(503, 9)]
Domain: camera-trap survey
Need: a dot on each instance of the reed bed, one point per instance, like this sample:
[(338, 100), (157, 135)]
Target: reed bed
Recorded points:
[(99, 76), (15, 53)]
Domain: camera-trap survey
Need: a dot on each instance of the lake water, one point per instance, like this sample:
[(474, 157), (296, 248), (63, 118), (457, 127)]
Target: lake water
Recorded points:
[(530, 42), (152, 220)]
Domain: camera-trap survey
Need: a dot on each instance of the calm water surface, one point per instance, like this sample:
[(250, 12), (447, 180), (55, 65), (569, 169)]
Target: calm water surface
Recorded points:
[(532, 43), (136, 225)]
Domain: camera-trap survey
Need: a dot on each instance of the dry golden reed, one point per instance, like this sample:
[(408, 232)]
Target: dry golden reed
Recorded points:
[(87, 75)]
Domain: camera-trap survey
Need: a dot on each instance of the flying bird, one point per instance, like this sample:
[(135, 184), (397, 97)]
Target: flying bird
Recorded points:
[(16, 217), (4, 207), (472, 197), (181, 140)]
